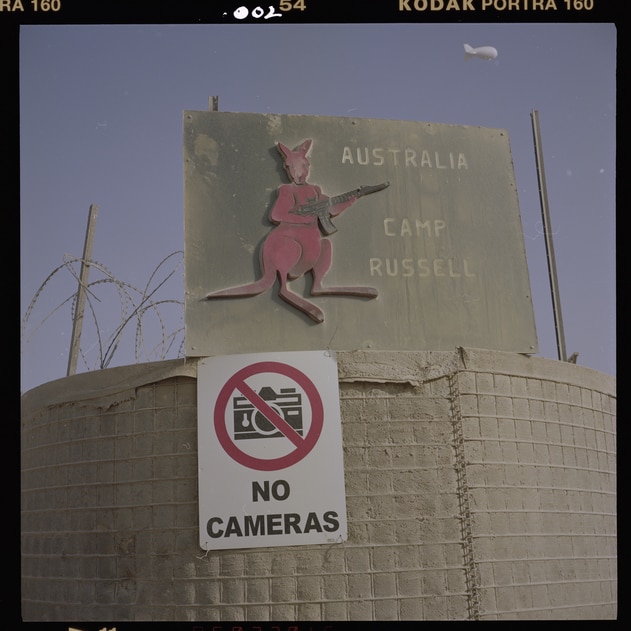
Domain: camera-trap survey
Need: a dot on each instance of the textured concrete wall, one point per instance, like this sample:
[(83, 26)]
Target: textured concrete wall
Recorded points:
[(480, 485)]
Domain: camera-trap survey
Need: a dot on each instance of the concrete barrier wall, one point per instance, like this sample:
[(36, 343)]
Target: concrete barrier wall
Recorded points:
[(480, 485)]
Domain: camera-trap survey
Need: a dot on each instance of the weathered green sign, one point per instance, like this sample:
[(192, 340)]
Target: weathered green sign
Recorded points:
[(306, 232)]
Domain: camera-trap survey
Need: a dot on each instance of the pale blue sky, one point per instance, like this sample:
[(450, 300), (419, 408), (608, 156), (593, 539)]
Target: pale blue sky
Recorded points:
[(101, 122)]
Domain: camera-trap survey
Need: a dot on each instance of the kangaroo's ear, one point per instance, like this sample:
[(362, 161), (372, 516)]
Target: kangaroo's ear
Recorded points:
[(284, 150), (304, 147)]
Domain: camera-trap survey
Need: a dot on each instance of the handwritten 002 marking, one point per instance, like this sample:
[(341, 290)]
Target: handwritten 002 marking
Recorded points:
[(242, 12)]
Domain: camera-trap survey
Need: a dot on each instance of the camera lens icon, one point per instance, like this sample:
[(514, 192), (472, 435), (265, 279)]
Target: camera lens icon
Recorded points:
[(262, 425)]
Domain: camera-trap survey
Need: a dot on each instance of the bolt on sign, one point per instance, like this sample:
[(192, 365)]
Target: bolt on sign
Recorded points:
[(307, 232), (271, 470)]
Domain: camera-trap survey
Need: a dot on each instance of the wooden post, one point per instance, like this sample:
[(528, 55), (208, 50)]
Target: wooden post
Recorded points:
[(77, 322)]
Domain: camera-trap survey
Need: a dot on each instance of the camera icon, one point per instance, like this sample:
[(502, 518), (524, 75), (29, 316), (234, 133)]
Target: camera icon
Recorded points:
[(250, 423)]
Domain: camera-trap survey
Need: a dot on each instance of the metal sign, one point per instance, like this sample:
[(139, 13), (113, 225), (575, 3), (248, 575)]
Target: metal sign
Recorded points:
[(271, 467), (306, 232)]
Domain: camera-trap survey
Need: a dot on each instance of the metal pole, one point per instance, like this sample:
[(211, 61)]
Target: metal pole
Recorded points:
[(545, 216), (77, 322)]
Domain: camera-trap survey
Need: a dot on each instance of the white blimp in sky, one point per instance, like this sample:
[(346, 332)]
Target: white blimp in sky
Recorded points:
[(482, 52)]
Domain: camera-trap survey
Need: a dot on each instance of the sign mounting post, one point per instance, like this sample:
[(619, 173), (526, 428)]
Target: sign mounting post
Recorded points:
[(547, 231)]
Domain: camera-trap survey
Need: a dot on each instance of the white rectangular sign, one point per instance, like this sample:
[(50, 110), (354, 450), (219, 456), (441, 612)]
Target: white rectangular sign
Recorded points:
[(271, 469)]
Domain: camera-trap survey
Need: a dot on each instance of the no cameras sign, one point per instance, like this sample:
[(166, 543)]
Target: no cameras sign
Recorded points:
[(271, 469)]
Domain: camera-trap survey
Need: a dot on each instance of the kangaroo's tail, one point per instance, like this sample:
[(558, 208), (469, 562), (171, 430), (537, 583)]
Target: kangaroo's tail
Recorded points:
[(244, 291)]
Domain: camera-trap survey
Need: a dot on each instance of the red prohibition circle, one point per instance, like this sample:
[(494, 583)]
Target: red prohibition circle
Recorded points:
[(303, 446)]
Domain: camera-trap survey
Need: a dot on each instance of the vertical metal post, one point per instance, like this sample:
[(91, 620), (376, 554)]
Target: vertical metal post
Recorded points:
[(77, 322), (545, 216)]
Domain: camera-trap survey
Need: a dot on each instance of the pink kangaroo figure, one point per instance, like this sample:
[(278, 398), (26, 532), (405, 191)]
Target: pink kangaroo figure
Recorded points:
[(295, 246)]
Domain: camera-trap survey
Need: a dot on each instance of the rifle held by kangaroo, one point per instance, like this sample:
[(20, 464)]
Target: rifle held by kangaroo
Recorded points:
[(320, 208)]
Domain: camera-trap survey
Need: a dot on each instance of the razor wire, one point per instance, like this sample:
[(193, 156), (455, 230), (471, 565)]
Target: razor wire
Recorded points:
[(135, 307)]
